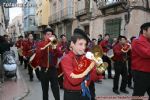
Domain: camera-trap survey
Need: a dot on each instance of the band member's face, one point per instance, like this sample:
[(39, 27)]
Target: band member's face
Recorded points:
[(48, 35), (79, 47), (123, 41), (107, 37), (147, 33), (30, 37), (64, 39)]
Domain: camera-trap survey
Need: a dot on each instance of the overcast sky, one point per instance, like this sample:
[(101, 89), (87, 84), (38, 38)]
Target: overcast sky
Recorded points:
[(13, 12)]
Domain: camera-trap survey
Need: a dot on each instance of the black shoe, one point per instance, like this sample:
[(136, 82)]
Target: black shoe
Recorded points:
[(116, 92), (124, 91), (130, 87), (99, 81)]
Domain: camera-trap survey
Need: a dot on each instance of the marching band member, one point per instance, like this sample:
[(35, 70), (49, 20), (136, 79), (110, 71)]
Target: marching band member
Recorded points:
[(130, 76), (47, 55), (141, 62), (106, 46), (73, 89), (19, 45), (64, 50), (29, 47), (120, 66)]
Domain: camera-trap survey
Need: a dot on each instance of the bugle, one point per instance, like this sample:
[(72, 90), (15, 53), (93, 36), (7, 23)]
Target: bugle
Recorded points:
[(88, 62)]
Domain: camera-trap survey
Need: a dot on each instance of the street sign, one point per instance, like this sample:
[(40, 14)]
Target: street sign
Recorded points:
[(7, 1)]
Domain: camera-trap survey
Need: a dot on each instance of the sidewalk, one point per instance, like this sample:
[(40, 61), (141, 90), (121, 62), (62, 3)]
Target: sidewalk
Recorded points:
[(14, 90)]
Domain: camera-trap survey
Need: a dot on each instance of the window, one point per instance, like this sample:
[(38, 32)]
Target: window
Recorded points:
[(113, 27)]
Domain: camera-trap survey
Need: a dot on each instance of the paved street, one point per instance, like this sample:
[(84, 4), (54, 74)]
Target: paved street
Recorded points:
[(104, 89), (27, 90)]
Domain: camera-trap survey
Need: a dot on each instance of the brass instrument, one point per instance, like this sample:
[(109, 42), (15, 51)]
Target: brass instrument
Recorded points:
[(20, 51), (126, 47), (88, 61), (53, 42), (98, 53)]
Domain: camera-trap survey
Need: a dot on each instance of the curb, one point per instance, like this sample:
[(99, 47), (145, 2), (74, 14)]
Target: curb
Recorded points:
[(26, 93)]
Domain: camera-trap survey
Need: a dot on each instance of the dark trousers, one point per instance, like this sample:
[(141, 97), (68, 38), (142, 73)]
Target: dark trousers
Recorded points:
[(141, 83), (20, 59), (92, 90), (25, 63), (106, 59), (60, 80), (74, 95), (120, 69), (130, 76), (45, 77)]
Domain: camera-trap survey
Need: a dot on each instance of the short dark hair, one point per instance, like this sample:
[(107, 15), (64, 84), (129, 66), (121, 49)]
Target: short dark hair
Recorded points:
[(132, 38), (63, 35), (107, 34), (79, 34), (144, 26), (20, 36), (120, 37), (48, 30), (93, 39)]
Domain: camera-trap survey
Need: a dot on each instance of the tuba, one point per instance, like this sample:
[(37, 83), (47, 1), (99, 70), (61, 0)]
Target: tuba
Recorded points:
[(88, 62)]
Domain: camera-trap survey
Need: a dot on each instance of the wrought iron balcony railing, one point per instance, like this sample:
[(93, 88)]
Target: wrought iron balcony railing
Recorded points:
[(107, 3)]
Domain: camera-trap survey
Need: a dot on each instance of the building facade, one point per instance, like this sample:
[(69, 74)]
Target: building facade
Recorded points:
[(62, 16), (2, 21), (114, 17), (29, 16), (15, 28)]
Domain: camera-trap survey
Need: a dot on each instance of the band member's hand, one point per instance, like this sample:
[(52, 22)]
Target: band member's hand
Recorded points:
[(24, 57)]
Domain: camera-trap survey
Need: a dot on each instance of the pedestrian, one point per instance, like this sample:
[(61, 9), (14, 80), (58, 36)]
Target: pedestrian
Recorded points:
[(73, 89), (141, 62), (47, 54), (120, 66)]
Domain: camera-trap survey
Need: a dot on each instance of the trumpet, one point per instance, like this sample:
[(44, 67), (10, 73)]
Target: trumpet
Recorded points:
[(53, 42), (88, 61)]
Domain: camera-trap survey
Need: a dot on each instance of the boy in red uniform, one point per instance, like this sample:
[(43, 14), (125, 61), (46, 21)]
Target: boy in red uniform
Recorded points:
[(19, 45), (72, 86), (47, 55), (141, 62), (120, 66), (29, 47)]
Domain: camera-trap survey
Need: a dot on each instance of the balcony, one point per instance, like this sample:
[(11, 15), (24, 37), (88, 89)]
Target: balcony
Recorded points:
[(64, 14), (81, 12), (108, 7), (109, 3), (67, 13)]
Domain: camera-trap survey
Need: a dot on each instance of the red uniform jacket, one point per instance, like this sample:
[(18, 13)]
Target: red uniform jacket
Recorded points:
[(104, 45), (19, 43), (42, 55), (118, 54), (141, 54), (68, 63), (62, 46), (28, 48)]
